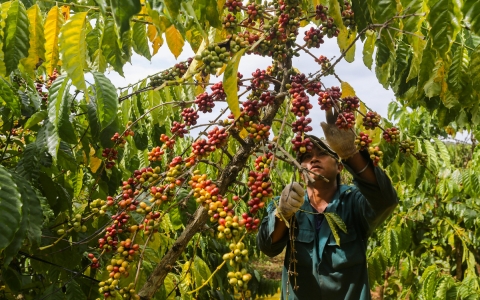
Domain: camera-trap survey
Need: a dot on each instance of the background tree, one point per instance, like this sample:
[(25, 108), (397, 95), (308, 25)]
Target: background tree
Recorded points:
[(104, 194)]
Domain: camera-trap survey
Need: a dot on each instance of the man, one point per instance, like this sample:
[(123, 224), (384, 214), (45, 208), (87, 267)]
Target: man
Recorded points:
[(326, 270)]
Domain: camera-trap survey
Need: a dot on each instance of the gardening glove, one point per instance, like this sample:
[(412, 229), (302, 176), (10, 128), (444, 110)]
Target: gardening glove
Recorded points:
[(291, 200), (340, 140)]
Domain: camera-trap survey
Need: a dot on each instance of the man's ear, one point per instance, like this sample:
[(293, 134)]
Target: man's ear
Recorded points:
[(340, 166)]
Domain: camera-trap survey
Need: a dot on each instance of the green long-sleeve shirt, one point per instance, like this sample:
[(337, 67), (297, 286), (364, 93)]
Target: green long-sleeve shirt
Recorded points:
[(326, 270)]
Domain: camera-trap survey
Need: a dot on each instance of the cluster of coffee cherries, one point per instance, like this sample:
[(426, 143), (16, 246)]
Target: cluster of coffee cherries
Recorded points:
[(229, 22), (203, 189), (254, 12), (217, 137), (301, 108), (314, 87), (118, 268), (329, 28), (326, 65), (321, 12), (363, 141), (173, 73), (218, 93), (350, 103), (202, 148), (371, 120), (40, 84), (407, 146), (155, 154), (75, 224), (119, 139), (258, 132), (391, 135), (238, 279), (190, 116), (301, 125), (233, 5), (213, 58), (179, 129), (259, 80), (168, 142), (375, 154), (259, 183), (313, 38), (345, 120), (242, 40), (204, 102), (329, 98), (110, 240), (348, 17), (110, 155)]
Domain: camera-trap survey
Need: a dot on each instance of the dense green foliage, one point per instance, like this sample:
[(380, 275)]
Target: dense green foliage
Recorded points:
[(87, 169)]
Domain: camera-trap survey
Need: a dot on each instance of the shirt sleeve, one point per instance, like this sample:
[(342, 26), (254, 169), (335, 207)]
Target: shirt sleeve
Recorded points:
[(264, 236), (374, 202)]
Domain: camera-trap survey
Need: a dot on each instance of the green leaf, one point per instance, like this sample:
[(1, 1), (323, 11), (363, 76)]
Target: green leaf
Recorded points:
[(213, 14), (444, 19), (53, 24), (154, 99), (432, 155), (382, 10), (429, 280), (32, 219), (362, 14), (417, 51), (59, 101), (106, 99), (443, 151), (471, 12), (474, 69), (412, 24), (78, 182), (140, 41), (73, 49), (35, 119), (382, 55), (368, 48), (426, 66), (16, 35), (230, 83), (74, 292), (124, 10), (10, 208), (9, 97), (111, 46), (36, 52), (173, 7), (201, 272), (458, 73)]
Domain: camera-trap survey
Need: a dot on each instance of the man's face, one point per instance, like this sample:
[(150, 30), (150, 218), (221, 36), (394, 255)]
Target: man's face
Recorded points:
[(320, 162)]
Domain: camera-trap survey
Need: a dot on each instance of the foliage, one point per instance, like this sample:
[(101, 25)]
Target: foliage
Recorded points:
[(104, 186)]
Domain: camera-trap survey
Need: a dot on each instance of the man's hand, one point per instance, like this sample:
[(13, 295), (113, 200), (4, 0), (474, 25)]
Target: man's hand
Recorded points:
[(341, 141), (290, 200)]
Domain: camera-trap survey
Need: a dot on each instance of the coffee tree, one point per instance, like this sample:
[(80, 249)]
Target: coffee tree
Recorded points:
[(105, 193)]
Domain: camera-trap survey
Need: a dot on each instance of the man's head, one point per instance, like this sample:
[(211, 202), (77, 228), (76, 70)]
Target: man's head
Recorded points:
[(322, 160)]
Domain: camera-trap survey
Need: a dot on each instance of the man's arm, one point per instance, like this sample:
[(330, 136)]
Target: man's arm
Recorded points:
[(272, 234)]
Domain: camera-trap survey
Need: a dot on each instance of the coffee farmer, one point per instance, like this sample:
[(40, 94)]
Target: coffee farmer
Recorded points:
[(325, 269)]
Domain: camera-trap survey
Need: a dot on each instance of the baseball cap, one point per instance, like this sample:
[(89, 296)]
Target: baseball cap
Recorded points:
[(321, 144)]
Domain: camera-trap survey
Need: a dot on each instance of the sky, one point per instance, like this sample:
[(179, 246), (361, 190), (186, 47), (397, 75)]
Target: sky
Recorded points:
[(356, 74)]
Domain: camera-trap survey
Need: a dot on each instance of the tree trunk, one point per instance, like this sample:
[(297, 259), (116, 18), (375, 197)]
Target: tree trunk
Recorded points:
[(458, 259)]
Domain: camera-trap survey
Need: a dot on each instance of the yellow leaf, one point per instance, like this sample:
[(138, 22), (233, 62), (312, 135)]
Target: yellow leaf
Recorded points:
[(344, 40), (230, 83), (66, 12), (154, 38), (53, 24), (192, 69), (347, 90), (74, 49), (368, 48), (359, 118), (36, 52), (95, 162), (175, 40), (221, 70)]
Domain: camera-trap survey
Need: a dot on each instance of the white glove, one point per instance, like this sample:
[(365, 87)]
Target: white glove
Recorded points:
[(341, 141), (290, 200)]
